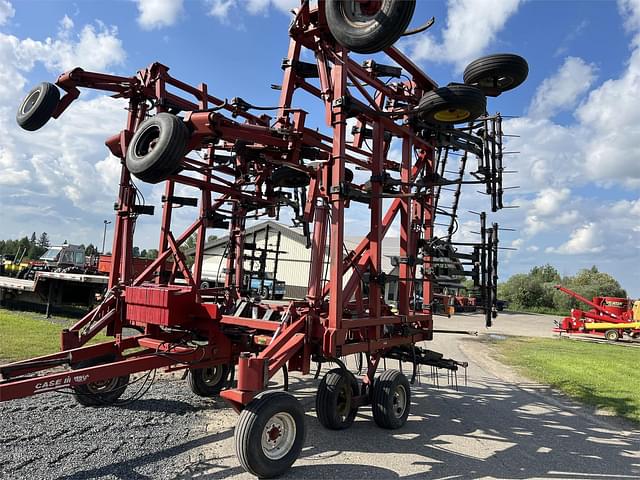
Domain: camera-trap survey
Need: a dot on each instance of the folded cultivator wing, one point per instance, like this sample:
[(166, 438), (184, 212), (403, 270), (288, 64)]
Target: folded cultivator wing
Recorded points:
[(252, 165)]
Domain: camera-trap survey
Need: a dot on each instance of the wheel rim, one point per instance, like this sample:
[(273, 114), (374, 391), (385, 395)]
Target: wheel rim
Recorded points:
[(103, 386), (399, 401), (30, 101), (278, 436), (343, 402), (360, 13), (452, 115), (502, 82), (147, 141), (212, 375)]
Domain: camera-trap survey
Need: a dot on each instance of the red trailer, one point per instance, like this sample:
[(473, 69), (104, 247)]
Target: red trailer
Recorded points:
[(253, 164)]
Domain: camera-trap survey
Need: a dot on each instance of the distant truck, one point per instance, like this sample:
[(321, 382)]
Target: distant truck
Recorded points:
[(267, 288), (65, 258)]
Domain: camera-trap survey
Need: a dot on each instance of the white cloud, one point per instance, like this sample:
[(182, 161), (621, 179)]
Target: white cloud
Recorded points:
[(6, 11), (55, 175), (562, 90), (158, 13), (586, 239), (630, 12), (471, 27), (221, 9)]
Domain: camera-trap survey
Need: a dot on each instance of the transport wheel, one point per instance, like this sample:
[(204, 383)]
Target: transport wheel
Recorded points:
[(452, 104), (104, 392), (289, 177), (270, 434), (495, 74), (204, 284), (368, 26), (209, 381), (38, 106), (333, 400), (157, 148), (612, 335), (391, 399)]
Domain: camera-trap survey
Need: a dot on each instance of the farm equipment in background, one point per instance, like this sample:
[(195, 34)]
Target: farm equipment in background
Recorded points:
[(254, 164), (610, 317), (12, 265)]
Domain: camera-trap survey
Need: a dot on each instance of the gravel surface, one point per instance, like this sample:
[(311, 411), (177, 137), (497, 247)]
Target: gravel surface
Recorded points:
[(50, 436), (496, 426)]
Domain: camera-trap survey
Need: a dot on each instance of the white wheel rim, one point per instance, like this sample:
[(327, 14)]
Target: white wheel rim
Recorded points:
[(278, 436), (399, 401), (30, 101)]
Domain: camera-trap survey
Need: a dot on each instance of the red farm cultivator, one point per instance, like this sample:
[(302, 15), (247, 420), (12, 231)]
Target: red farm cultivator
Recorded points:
[(241, 164)]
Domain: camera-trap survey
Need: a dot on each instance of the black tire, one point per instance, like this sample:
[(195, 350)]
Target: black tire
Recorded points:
[(289, 177), (264, 292), (38, 106), (333, 399), (495, 74), (452, 104), (368, 31), (204, 284), (209, 381), (157, 148), (391, 400), (612, 335), (270, 413), (348, 175), (105, 392)]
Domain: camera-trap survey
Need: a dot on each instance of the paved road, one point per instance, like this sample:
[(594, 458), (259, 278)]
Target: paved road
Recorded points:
[(494, 427)]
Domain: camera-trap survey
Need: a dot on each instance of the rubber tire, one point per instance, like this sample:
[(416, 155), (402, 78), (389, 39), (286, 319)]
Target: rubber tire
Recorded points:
[(327, 397), (379, 33), (382, 401), (264, 293), (250, 427), (463, 97), (204, 285), (289, 177), (41, 110), (485, 73), (83, 395), (348, 175), (612, 335), (164, 159), (199, 386)]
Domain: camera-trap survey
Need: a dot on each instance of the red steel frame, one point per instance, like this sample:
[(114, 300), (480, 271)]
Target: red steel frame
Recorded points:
[(334, 320)]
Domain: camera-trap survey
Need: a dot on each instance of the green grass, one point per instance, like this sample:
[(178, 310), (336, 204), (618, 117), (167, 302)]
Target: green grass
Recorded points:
[(25, 335), (543, 310), (605, 376)]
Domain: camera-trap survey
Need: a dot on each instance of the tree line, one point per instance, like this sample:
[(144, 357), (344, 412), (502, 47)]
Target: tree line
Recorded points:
[(32, 248), (535, 290)]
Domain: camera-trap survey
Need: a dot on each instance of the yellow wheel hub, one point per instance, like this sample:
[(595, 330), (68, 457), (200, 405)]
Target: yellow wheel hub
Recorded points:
[(452, 115)]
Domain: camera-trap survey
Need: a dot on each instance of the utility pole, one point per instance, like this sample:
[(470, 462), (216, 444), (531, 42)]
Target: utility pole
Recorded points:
[(104, 235)]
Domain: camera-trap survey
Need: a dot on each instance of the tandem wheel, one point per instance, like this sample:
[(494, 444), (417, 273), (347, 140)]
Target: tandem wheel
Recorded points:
[(270, 434), (391, 399), (209, 381), (103, 392), (333, 399)]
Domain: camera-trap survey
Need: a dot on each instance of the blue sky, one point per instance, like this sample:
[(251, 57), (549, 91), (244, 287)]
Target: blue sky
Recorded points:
[(577, 115)]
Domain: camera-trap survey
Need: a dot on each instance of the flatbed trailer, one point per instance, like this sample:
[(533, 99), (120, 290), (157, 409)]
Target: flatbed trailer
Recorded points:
[(255, 164), (53, 289)]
